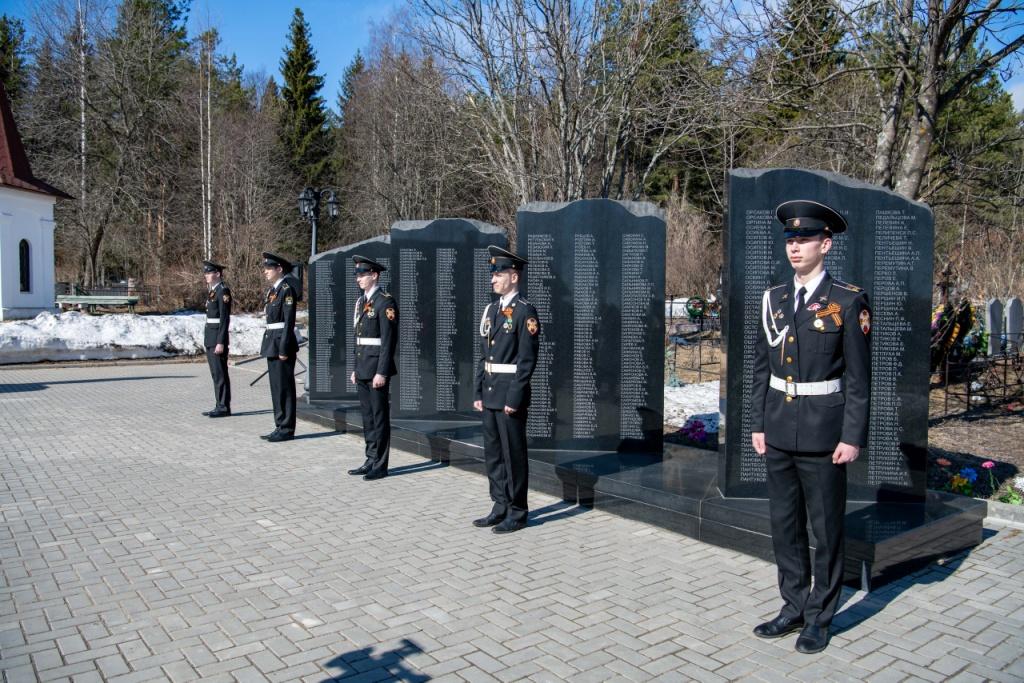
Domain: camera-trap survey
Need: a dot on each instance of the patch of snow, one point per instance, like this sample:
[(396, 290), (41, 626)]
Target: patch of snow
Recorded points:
[(77, 336), (689, 400)]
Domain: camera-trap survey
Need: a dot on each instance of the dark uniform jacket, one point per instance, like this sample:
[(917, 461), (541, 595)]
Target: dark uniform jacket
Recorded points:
[(509, 336), (218, 307), (377, 318), (280, 308), (837, 347)]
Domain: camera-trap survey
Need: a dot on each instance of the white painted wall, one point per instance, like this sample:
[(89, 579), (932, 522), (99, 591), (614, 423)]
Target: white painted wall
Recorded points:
[(26, 216)]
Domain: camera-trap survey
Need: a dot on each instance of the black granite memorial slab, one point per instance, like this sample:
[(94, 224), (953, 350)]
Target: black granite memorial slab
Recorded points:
[(887, 251), (596, 275), (442, 284), (332, 299)]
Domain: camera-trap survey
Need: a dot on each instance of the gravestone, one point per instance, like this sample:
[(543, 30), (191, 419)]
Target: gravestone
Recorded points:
[(332, 299), (994, 325), (1014, 334), (596, 275), (442, 284), (887, 250)]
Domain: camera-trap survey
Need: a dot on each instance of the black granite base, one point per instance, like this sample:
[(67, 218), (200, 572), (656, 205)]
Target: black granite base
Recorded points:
[(679, 492)]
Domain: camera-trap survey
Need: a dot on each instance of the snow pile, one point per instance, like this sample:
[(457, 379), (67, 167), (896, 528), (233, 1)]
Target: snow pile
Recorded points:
[(692, 400), (77, 336)]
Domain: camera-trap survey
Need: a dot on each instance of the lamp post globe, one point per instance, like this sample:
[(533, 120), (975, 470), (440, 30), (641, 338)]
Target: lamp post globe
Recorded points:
[(309, 206)]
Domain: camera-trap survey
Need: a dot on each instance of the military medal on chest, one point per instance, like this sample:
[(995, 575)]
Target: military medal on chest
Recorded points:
[(833, 310)]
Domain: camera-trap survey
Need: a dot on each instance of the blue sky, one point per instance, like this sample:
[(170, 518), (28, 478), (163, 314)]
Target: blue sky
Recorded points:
[(256, 31)]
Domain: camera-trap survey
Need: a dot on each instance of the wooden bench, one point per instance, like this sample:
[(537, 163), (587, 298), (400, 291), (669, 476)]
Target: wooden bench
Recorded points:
[(91, 301)]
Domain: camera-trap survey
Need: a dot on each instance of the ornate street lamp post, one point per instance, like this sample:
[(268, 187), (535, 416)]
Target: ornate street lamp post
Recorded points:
[(309, 206)]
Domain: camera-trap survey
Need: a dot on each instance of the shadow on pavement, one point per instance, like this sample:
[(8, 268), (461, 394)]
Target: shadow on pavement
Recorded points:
[(555, 512), (418, 467), (315, 435), (871, 604), (39, 386), (361, 662)]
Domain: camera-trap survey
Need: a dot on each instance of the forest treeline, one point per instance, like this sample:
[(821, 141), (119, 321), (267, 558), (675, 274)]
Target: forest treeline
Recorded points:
[(174, 152)]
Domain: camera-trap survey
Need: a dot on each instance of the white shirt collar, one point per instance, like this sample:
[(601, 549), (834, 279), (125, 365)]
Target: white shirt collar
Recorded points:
[(507, 299), (278, 283), (372, 291), (809, 287)]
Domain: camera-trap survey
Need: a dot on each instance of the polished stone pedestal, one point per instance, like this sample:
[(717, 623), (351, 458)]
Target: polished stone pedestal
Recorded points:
[(679, 491)]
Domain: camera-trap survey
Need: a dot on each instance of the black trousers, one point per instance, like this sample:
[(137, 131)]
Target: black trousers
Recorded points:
[(282, 392), (804, 486), (376, 408), (508, 471), (221, 381)]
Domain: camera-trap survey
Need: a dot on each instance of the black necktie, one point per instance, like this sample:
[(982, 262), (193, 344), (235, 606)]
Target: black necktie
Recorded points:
[(800, 298)]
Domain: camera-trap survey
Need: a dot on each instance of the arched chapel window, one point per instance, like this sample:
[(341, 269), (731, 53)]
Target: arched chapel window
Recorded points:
[(25, 262)]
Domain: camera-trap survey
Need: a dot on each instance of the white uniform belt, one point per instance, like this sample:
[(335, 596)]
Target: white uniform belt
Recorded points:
[(829, 386), (500, 367), (275, 326), (368, 341), (213, 321)]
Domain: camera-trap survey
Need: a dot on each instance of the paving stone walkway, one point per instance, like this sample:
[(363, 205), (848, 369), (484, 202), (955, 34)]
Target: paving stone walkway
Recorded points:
[(143, 542)]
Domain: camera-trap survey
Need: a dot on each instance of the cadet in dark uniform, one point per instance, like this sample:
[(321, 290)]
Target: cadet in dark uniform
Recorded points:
[(509, 331), (376, 335), (215, 337), (810, 392), (280, 345)]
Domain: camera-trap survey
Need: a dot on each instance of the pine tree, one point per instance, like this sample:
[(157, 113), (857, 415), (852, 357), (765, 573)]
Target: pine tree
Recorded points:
[(346, 93), (348, 84), (304, 121), (270, 97), (13, 69)]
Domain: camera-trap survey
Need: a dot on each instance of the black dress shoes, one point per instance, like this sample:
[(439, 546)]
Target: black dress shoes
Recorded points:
[(206, 413), (778, 627), (508, 526), (489, 520), (280, 436), (371, 476), (812, 639), (359, 471), (219, 412), (266, 437)]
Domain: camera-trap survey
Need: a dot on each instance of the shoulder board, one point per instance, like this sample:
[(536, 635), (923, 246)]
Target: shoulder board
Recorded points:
[(847, 286), (386, 295), (777, 286), (524, 301)]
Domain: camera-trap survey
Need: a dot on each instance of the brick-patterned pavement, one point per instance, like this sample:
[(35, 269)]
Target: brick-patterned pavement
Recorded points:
[(143, 542)]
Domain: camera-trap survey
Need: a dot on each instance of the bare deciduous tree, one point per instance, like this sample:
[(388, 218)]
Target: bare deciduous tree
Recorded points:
[(556, 88)]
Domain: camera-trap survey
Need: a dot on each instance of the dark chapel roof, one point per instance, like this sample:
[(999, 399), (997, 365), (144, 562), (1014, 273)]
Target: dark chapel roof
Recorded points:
[(14, 168)]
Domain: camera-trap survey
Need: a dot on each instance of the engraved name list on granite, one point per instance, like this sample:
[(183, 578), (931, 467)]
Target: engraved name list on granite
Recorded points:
[(443, 287), (596, 276)]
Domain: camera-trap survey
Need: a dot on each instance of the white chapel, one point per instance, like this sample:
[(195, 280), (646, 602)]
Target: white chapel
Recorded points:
[(26, 227)]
